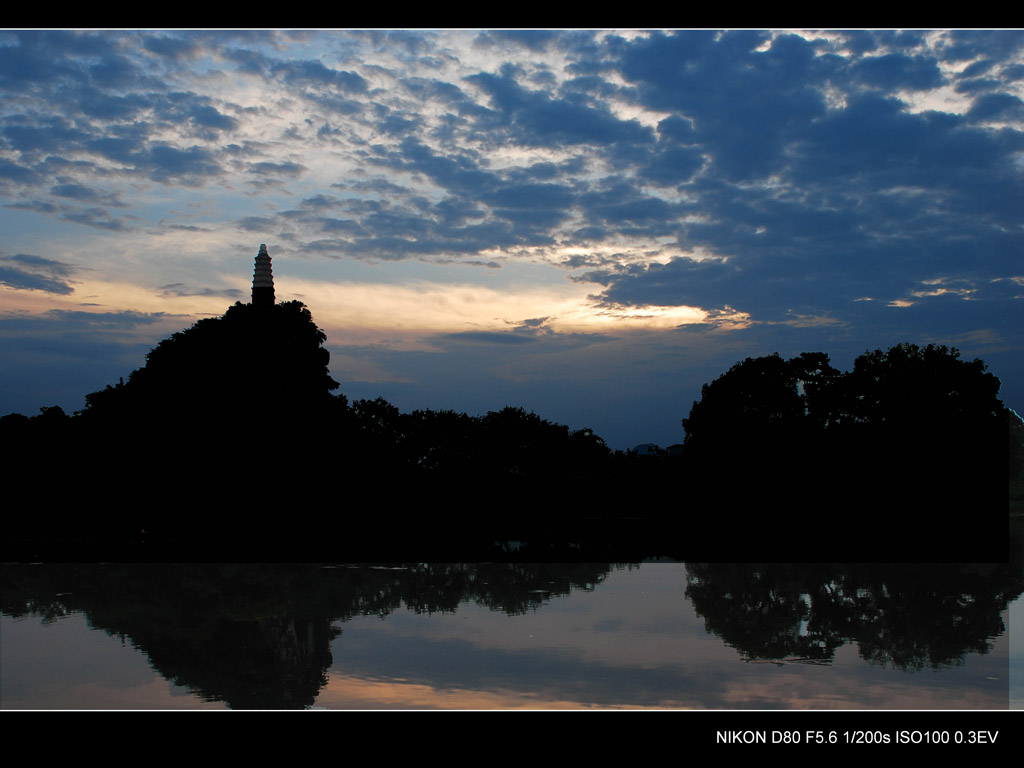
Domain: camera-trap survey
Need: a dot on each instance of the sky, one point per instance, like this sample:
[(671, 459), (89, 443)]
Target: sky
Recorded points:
[(588, 224)]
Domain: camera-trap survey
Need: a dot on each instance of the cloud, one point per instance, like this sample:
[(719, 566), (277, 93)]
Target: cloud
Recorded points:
[(532, 39), (180, 289), (743, 101), (1003, 106), (114, 71), (80, 319), (490, 337), (256, 223), (898, 70), (17, 173), (293, 170), (35, 205), (172, 46), (746, 189), (534, 118), (93, 217), (188, 166), (35, 273), (80, 192), (315, 73), (48, 135), (103, 105)]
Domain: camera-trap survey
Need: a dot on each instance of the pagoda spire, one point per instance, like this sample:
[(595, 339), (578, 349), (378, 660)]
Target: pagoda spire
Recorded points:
[(263, 280)]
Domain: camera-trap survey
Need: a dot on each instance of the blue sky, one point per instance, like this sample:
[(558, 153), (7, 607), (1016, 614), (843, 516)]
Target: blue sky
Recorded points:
[(589, 224)]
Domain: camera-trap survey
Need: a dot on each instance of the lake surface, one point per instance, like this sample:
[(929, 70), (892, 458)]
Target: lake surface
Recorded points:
[(486, 636)]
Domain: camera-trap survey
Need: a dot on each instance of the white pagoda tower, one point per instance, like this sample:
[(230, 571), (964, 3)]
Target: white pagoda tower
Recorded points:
[(263, 280)]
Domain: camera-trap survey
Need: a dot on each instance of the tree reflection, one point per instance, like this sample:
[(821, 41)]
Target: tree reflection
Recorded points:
[(258, 636), (911, 617)]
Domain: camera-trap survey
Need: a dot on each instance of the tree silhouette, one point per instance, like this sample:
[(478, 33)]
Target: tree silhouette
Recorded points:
[(927, 426), (909, 444), (900, 458), (187, 442), (761, 407), (1016, 463), (248, 365)]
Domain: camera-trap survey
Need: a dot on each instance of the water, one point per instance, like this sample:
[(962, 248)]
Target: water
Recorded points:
[(485, 636)]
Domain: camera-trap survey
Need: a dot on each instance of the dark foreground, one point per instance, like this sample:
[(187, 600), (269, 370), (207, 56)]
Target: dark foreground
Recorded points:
[(423, 527)]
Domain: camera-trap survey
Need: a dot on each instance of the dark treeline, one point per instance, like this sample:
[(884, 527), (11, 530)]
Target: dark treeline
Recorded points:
[(911, 443), (232, 435)]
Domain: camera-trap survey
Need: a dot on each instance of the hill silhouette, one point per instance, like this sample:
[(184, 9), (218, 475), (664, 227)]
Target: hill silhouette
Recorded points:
[(231, 444), (206, 438), (254, 365)]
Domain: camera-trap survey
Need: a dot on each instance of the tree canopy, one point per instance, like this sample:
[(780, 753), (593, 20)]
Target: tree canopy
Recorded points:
[(227, 369), (910, 436), (762, 401), (903, 388)]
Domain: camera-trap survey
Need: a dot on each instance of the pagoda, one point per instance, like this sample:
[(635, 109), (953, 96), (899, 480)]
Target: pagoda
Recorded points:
[(263, 280)]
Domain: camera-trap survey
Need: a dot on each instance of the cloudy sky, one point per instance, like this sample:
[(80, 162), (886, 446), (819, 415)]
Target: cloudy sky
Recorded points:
[(587, 224)]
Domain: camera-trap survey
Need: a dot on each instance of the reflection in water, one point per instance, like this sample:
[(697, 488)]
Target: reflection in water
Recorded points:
[(912, 617), (260, 636), (485, 635)]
